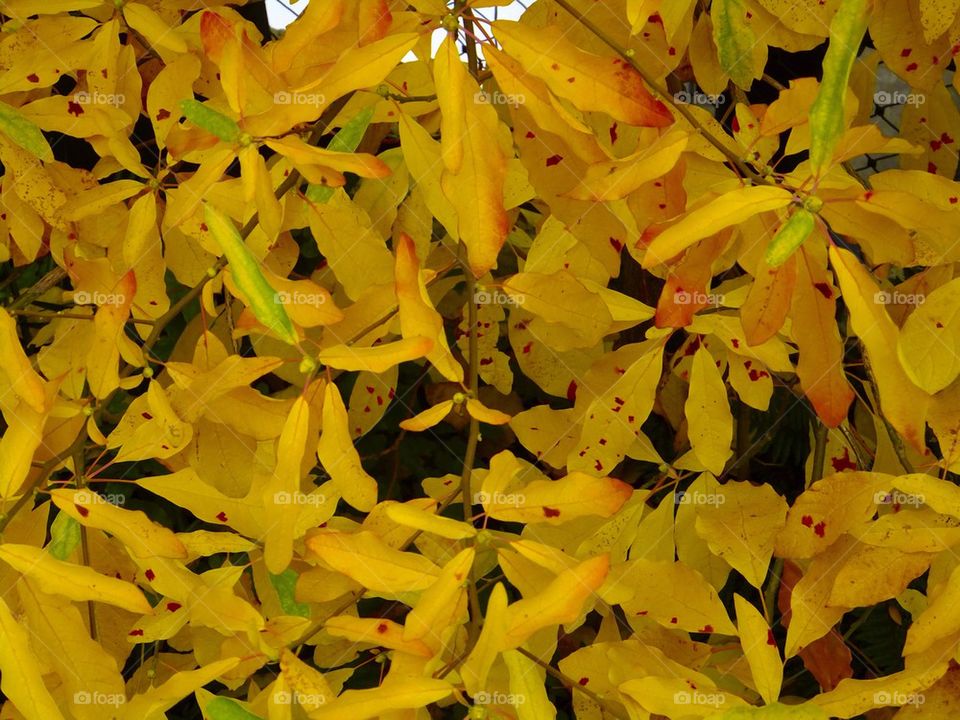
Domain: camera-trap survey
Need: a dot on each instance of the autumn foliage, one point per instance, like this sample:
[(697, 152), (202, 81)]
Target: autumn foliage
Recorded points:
[(601, 364)]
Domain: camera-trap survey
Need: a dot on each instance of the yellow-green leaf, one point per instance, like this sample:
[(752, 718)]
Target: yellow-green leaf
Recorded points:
[(789, 237), (827, 111), (248, 276)]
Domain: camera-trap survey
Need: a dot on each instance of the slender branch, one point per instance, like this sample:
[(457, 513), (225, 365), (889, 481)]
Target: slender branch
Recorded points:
[(473, 62), (39, 288), (61, 315), (79, 468), (895, 439), (819, 452), (473, 438)]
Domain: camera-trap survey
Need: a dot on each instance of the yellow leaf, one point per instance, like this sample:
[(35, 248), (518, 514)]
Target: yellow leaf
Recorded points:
[(305, 680), (710, 422), (82, 663), (476, 668), (558, 501), (143, 537), (590, 82), (814, 329), (16, 372), (186, 489), (104, 355), (939, 620), (476, 166), (616, 179), (902, 402), (22, 438), (280, 510), (693, 604), (528, 685), (414, 517), (303, 156), (377, 631), (618, 412), (378, 358), (411, 693), (354, 249), (562, 601), (148, 23), (731, 208), (450, 79), (76, 582), (443, 603), (486, 415), (22, 676), (567, 314), (827, 510), (365, 558), (760, 649), (929, 341), (740, 524), (340, 458), (157, 700), (428, 418), (418, 317)]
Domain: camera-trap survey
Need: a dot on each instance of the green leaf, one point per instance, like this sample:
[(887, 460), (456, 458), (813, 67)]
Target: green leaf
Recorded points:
[(789, 237), (249, 279), (24, 133), (213, 121), (64, 536), (285, 584), (734, 39), (222, 708), (347, 139), (827, 111)]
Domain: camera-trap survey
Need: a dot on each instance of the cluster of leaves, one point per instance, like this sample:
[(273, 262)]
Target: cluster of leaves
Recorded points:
[(261, 294)]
